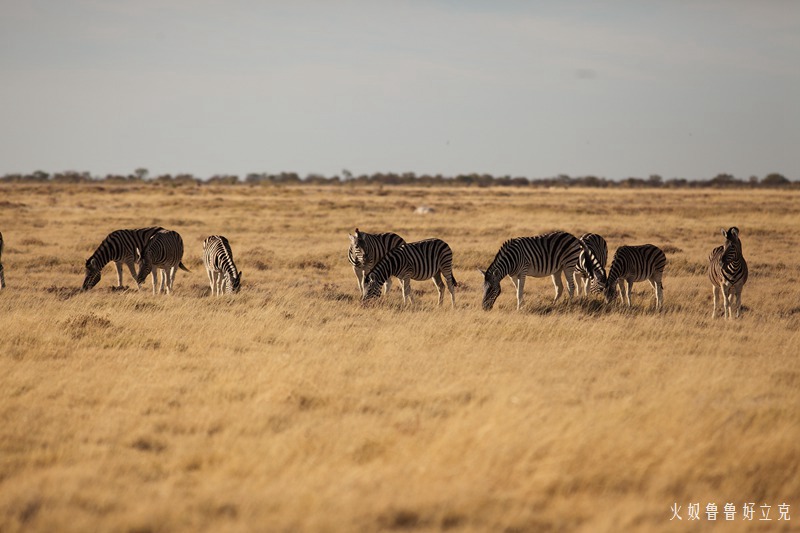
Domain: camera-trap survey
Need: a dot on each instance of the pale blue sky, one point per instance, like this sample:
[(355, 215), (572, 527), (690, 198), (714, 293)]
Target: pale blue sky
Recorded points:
[(613, 89)]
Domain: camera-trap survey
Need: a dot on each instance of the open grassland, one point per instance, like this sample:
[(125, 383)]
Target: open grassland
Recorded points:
[(290, 407)]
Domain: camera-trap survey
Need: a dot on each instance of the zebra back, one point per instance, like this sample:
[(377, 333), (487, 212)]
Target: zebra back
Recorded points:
[(120, 246), (538, 256), (593, 257), (416, 260), (635, 263), (163, 250), (367, 249), (726, 263), (217, 256)]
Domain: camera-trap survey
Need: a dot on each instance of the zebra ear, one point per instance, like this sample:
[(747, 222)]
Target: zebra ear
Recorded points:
[(239, 274), (724, 232), (734, 231), (353, 238), (483, 273)]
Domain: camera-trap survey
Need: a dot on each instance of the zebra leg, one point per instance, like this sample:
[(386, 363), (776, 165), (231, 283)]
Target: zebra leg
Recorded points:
[(118, 266), (210, 280), (387, 286), (171, 278), (738, 300), (715, 291), (628, 292), (558, 284), (407, 290), (451, 286), (570, 283), (520, 286), (132, 268), (439, 282), (726, 301), (154, 273), (360, 278), (659, 288)]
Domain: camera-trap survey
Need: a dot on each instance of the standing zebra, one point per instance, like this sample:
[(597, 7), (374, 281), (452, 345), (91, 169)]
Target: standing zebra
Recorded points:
[(727, 271), (164, 252), (367, 249), (2, 274), (549, 254), (636, 263), (119, 246), (591, 265), (429, 259), (221, 269)]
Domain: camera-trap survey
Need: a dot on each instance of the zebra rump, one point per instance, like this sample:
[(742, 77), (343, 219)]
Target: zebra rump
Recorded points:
[(121, 247), (727, 271), (548, 254), (428, 259), (221, 270), (367, 249), (164, 252)]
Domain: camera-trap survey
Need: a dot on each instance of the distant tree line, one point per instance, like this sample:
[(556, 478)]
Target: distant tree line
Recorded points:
[(141, 175)]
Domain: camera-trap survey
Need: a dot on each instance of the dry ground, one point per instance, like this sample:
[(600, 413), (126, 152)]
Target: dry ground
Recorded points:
[(290, 407)]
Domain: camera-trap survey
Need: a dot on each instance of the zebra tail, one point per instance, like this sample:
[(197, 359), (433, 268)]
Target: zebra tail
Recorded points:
[(180, 265), (453, 279)]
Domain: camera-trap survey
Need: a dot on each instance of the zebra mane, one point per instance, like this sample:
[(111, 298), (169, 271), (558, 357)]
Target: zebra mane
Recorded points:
[(494, 266)]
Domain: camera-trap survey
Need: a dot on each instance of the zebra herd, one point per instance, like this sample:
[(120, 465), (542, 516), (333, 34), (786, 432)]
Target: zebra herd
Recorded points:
[(160, 251), (376, 258), (582, 261)]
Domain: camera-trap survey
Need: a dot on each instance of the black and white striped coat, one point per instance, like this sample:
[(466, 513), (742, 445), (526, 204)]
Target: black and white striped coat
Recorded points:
[(632, 264), (367, 249), (221, 270), (121, 247), (164, 252), (549, 254), (2, 271), (591, 267), (428, 259), (727, 271)]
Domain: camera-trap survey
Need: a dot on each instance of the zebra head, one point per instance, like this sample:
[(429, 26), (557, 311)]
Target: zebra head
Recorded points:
[(732, 242), (92, 274), (233, 283), (372, 287), (609, 291), (491, 288), (357, 251), (144, 266)]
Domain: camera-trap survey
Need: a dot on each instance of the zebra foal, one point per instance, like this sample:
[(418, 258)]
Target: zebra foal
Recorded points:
[(121, 247), (429, 259), (549, 254), (221, 269), (632, 264), (727, 271), (367, 249), (591, 267), (163, 252), (2, 272)]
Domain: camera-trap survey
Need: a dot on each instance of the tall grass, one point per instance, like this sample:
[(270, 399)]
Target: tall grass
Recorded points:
[(291, 407)]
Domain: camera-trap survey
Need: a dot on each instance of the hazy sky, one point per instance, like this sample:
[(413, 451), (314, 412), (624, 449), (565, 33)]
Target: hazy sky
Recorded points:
[(536, 89)]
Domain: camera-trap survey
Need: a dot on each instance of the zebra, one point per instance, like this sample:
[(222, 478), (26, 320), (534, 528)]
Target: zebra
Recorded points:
[(727, 271), (636, 263), (367, 249), (164, 252), (2, 271), (548, 254), (222, 272), (591, 265), (119, 246), (428, 259)]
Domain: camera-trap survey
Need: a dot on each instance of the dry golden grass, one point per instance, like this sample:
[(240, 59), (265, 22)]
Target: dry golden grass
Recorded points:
[(290, 407)]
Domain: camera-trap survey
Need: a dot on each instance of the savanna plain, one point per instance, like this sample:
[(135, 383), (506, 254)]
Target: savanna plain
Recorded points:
[(290, 407)]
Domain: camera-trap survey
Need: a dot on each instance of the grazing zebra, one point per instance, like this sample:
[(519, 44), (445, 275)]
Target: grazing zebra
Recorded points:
[(221, 269), (2, 274), (636, 263), (164, 252), (549, 254), (367, 249), (429, 259), (119, 246), (591, 265), (727, 271)]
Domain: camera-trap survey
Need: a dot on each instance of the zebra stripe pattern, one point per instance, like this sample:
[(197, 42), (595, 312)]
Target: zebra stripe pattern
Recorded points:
[(2, 271), (367, 249), (163, 252), (221, 269), (632, 264), (549, 254), (429, 259), (119, 246), (727, 271), (591, 267)]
